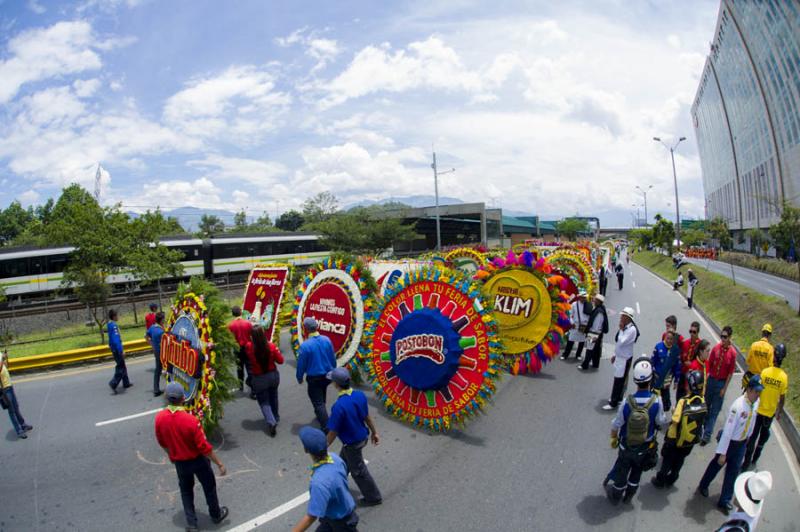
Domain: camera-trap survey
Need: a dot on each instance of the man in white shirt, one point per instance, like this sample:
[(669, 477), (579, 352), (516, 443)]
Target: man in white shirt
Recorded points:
[(627, 335), (597, 327), (578, 317), (732, 444)]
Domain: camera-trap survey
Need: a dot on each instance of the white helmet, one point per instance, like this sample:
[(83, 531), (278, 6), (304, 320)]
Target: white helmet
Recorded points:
[(642, 370)]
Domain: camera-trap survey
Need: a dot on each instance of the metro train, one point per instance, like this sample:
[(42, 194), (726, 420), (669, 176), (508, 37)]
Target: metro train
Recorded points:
[(26, 272)]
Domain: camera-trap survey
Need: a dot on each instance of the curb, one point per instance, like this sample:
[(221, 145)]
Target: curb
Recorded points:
[(786, 421)]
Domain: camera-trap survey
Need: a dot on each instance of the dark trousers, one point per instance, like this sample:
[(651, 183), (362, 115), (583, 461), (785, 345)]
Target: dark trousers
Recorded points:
[(266, 390), (157, 374), (120, 371), (240, 366), (568, 349), (682, 387), (353, 457), (619, 280), (603, 286), (672, 458), (733, 466), (200, 467), (626, 474), (347, 524), (666, 397), (689, 300), (317, 392), (13, 410), (761, 433), (714, 405), (593, 355), (620, 383)]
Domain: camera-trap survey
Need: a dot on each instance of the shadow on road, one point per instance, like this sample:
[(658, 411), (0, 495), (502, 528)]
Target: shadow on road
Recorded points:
[(697, 509), (596, 510), (542, 375), (651, 498), (254, 425), (203, 519)]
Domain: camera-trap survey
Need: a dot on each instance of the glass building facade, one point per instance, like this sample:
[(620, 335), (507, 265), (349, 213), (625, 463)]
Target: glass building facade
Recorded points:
[(746, 112)]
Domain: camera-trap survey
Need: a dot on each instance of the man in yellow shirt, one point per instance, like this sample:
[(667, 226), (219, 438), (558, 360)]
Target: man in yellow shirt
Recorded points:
[(760, 356), (776, 384)]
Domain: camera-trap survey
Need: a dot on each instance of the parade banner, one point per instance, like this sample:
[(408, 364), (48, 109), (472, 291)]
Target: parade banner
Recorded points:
[(465, 260), (263, 296), (530, 307), (337, 296), (386, 273), (434, 352), (574, 264), (187, 353)]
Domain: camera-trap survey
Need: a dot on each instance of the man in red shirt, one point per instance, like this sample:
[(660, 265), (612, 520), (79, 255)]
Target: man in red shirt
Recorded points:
[(720, 367), (179, 433), (688, 346), (242, 330), (150, 317)]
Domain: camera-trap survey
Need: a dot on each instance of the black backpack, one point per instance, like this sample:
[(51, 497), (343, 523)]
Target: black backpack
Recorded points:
[(690, 425)]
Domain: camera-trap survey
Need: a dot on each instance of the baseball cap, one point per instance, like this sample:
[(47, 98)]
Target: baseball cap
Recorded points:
[(314, 440), (755, 383), (340, 376), (310, 324), (767, 327), (174, 391)]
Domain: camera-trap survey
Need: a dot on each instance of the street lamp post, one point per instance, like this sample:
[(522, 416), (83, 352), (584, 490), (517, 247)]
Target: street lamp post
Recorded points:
[(675, 179), (436, 174), (643, 192)]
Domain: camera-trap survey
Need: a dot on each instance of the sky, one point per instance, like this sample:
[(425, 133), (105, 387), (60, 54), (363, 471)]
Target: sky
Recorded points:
[(541, 107)]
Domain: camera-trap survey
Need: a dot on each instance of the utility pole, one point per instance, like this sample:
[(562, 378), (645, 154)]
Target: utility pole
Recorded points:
[(643, 192), (675, 180), (97, 177), (436, 174)]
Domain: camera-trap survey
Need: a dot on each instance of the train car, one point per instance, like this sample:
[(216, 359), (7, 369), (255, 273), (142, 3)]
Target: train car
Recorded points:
[(231, 254)]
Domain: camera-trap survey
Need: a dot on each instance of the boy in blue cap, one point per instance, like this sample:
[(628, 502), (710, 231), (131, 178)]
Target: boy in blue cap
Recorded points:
[(330, 500), (351, 422), (315, 359)]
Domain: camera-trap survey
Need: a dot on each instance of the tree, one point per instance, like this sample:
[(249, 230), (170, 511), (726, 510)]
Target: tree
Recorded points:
[(319, 208), (718, 229), (569, 228), (160, 225), (44, 212), (643, 237), (663, 233), (693, 237), (13, 222), (210, 224), (757, 239), (786, 233), (240, 224), (363, 230), (290, 221)]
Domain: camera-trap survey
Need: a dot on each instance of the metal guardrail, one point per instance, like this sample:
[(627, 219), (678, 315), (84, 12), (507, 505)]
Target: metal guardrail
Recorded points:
[(70, 357)]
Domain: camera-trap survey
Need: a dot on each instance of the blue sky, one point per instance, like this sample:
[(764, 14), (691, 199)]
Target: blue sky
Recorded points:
[(542, 107)]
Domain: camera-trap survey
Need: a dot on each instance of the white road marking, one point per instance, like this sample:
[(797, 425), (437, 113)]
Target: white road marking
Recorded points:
[(774, 292), (638, 310), (272, 514), (126, 418), (633, 283)]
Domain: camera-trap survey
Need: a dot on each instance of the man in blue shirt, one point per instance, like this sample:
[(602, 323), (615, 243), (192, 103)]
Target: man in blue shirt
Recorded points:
[(315, 360), (330, 500), (666, 366), (153, 335), (351, 422), (115, 344)]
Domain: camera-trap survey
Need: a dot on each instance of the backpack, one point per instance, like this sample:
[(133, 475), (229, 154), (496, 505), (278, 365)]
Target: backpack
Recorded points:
[(690, 425), (638, 421)]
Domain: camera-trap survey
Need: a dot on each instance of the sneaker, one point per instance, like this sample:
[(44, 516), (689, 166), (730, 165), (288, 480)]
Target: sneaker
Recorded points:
[(657, 483), (223, 513), (726, 508), (271, 431), (129, 385), (562, 357), (579, 357), (22, 436), (702, 491), (157, 393), (253, 395), (608, 406), (365, 503), (113, 388), (192, 529), (581, 368), (27, 428)]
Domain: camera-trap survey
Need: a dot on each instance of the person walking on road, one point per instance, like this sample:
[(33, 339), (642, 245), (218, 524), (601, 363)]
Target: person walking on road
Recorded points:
[(626, 336), (8, 399), (115, 344), (262, 357), (770, 405), (596, 327), (690, 288), (666, 367), (760, 356), (750, 490), (578, 316), (720, 365), (633, 431), (180, 435), (683, 433), (329, 495), (732, 443), (315, 359), (153, 335), (620, 271), (602, 280), (150, 317), (242, 331), (351, 422)]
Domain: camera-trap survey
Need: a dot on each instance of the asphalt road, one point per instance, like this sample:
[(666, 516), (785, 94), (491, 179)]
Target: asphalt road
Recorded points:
[(762, 282), (535, 461)]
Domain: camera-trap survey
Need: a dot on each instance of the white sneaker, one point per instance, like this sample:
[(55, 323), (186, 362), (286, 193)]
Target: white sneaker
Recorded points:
[(580, 368), (562, 357), (608, 407)]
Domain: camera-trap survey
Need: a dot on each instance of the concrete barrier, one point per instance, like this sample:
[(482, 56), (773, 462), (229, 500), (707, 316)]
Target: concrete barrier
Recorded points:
[(61, 358)]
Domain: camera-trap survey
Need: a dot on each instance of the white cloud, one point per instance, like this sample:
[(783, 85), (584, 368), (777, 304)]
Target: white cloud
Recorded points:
[(240, 170), (29, 197), (201, 192), (674, 41), (321, 49), (42, 53), (86, 87), (240, 106), (36, 7)]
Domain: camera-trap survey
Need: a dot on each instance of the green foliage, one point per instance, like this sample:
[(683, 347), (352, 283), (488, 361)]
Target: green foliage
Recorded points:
[(225, 347), (778, 267), (290, 221), (757, 240), (363, 231), (92, 290), (14, 220), (210, 224), (693, 237), (160, 225), (663, 233), (319, 208), (261, 225), (240, 222), (642, 237), (786, 233), (570, 228), (366, 276)]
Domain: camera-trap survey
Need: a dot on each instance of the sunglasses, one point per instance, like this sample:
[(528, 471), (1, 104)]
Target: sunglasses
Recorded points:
[(693, 332), (724, 336)]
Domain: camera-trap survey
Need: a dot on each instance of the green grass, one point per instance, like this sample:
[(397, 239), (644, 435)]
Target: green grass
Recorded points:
[(778, 267), (743, 309)]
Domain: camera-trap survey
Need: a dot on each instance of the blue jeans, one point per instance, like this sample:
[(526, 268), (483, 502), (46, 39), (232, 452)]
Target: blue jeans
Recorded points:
[(266, 389), (200, 467), (13, 410), (733, 465), (317, 388), (714, 403)]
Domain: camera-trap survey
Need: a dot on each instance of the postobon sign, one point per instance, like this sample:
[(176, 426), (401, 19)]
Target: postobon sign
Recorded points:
[(522, 308)]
